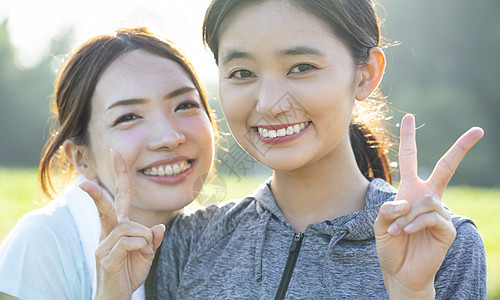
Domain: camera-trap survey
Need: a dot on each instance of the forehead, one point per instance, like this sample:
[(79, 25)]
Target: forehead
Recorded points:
[(271, 22), (139, 73), (139, 62)]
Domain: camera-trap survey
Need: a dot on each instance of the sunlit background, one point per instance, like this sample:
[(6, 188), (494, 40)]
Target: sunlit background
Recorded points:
[(446, 70), (32, 24)]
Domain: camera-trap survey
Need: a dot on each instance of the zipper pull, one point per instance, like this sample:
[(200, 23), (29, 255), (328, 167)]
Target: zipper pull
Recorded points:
[(297, 238)]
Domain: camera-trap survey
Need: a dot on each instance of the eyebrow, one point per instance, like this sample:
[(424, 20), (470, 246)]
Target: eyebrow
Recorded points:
[(299, 50), (177, 92), (135, 101), (233, 54), (126, 102)]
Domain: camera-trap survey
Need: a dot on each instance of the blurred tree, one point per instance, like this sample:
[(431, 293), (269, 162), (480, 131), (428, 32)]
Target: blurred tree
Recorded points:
[(25, 95), (446, 72)]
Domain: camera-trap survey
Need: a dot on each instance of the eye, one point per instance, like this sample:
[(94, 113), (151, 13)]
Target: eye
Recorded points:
[(241, 74), (187, 105), (125, 118), (301, 68)]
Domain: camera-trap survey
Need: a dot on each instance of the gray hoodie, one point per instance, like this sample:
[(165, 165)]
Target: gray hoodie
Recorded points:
[(248, 250)]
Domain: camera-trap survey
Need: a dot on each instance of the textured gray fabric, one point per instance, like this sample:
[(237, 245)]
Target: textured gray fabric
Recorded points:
[(239, 251)]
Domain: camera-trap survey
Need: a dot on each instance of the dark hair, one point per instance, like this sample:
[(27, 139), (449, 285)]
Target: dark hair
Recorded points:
[(356, 24), (75, 85)]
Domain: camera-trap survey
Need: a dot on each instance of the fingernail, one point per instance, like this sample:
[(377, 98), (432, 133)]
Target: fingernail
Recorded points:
[(393, 229), (82, 186), (399, 207)]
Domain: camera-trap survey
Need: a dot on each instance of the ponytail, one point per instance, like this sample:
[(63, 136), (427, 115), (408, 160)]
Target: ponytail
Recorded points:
[(369, 153)]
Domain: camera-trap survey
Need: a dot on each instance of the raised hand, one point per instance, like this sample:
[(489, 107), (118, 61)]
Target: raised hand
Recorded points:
[(413, 233), (127, 249)]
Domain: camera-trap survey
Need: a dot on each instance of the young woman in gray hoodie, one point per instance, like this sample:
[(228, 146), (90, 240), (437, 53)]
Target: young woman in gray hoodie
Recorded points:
[(298, 86)]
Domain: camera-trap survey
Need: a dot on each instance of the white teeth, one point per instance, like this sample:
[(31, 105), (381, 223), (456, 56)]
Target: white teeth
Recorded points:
[(177, 170), (296, 128), (168, 170), (283, 131), (161, 171)]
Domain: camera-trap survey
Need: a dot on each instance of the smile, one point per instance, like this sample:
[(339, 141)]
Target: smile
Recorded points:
[(276, 132), (168, 170)]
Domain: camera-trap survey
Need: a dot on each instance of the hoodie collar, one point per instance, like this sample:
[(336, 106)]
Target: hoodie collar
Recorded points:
[(356, 226)]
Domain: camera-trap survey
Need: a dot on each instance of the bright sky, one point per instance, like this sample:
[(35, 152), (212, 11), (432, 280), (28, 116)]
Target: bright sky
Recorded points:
[(33, 23)]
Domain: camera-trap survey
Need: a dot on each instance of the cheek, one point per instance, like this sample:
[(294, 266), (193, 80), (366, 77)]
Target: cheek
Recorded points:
[(237, 107), (199, 132), (128, 143)]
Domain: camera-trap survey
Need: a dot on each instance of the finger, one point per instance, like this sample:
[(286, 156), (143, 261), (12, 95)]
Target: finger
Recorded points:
[(105, 208), (122, 187), (389, 211), (124, 229), (433, 220), (123, 247), (446, 166), (423, 205), (158, 233), (408, 148)]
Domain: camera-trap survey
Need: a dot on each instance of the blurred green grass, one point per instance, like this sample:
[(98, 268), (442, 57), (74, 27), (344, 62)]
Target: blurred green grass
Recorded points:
[(19, 194)]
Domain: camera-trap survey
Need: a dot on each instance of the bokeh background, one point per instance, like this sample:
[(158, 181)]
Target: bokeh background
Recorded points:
[(443, 66)]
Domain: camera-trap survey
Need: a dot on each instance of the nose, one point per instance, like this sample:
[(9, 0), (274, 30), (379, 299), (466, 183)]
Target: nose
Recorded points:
[(273, 98), (166, 134)]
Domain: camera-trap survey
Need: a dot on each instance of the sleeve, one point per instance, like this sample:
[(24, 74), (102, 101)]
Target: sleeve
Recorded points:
[(41, 259), (463, 273)]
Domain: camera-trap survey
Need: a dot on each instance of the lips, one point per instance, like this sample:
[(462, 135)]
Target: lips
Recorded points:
[(279, 131), (171, 169)]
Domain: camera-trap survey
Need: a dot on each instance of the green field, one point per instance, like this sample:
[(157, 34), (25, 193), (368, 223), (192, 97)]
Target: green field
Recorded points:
[(19, 194)]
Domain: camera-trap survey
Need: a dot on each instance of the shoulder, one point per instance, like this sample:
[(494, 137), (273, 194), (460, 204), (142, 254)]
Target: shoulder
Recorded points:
[(379, 191), (53, 221), (468, 238), (463, 272), (41, 252), (204, 220)]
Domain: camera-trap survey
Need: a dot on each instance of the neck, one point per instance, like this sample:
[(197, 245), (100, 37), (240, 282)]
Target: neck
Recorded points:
[(150, 218), (328, 188)]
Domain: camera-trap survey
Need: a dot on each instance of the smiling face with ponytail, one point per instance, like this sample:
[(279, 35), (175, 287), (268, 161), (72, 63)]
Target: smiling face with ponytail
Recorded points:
[(74, 93), (287, 63)]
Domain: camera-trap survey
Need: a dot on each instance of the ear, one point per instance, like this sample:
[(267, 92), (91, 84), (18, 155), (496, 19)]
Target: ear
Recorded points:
[(78, 155), (370, 74)]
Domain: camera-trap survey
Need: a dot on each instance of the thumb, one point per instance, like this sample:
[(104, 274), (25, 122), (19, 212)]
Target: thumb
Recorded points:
[(158, 233)]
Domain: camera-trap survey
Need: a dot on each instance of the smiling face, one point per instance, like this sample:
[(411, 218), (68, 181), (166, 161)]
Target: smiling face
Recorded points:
[(287, 85), (147, 108)]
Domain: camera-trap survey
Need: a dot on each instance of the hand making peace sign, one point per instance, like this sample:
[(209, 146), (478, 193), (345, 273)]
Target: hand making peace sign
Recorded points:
[(413, 233), (127, 249)]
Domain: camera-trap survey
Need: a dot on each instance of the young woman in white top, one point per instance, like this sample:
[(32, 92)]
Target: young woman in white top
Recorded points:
[(138, 95)]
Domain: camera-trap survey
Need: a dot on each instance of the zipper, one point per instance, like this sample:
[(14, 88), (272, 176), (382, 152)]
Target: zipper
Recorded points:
[(290, 265)]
